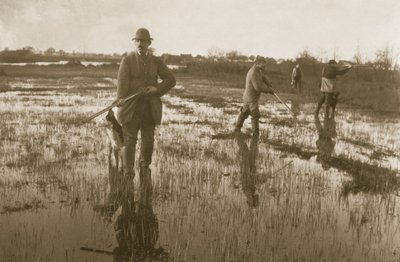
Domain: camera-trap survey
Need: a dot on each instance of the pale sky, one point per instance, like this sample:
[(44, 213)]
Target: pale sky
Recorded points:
[(274, 28)]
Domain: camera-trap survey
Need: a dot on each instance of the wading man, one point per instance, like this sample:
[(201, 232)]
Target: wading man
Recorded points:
[(297, 76), (139, 72), (328, 86), (256, 83)]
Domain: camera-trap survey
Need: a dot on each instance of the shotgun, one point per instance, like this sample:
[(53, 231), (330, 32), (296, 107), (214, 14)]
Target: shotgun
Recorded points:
[(356, 65), (280, 100), (361, 66), (117, 102)]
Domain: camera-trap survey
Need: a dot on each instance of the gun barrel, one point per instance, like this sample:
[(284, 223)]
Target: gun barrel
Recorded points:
[(114, 104), (361, 66)]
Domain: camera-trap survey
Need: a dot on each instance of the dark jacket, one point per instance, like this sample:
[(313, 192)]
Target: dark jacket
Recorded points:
[(297, 74), (331, 71), (136, 73)]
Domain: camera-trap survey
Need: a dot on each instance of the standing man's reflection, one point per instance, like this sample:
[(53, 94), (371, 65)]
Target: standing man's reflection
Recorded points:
[(325, 142), (248, 169), (136, 227)]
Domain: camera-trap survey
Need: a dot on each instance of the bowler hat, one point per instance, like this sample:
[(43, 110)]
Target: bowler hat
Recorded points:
[(332, 61), (142, 34)]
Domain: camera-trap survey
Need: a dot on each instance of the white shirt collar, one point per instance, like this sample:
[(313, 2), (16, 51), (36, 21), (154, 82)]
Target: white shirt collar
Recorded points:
[(146, 54)]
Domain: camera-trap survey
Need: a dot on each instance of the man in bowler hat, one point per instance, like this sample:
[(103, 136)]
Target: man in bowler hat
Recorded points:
[(139, 72)]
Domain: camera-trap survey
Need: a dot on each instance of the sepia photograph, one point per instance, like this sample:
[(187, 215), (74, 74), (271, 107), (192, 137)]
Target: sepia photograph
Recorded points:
[(212, 130)]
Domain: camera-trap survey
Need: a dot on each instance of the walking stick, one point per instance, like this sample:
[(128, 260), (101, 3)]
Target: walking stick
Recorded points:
[(117, 102), (280, 100), (277, 97)]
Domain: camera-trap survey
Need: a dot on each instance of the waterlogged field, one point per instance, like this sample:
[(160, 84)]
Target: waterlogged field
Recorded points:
[(306, 190)]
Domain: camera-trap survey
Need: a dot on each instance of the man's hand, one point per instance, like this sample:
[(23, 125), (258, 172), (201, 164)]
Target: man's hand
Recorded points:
[(348, 65), (150, 90)]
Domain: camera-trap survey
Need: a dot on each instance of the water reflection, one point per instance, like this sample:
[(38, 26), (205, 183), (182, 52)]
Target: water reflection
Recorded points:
[(136, 227), (295, 105), (326, 140), (248, 169)]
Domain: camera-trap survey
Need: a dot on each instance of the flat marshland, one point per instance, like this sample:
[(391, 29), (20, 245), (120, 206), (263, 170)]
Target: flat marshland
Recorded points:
[(306, 190)]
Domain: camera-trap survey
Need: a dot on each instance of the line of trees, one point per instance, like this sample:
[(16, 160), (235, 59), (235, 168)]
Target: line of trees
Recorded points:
[(385, 63), (386, 59), (31, 55)]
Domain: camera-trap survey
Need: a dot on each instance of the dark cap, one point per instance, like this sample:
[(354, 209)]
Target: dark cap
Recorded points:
[(332, 62), (142, 34), (259, 59)]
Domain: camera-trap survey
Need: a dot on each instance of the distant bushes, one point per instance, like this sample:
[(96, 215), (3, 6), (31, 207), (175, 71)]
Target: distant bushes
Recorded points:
[(28, 56), (217, 67), (74, 62), (18, 56)]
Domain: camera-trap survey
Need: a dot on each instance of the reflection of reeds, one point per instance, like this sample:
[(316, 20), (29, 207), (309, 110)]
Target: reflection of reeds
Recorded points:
[(201, 213), (367, 178)]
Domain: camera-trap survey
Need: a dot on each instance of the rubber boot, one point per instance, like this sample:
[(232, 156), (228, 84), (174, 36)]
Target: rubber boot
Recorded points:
[(146, 187), (240, 121), (255, 127), (128, 159), (329, 104), (327, 110), (320, 103), (334, 102)]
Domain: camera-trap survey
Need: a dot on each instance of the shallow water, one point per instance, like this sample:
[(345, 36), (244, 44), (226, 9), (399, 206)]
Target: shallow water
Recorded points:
[(84, 63), (291, 195)]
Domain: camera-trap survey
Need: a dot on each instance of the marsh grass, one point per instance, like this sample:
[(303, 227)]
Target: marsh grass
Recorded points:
[(58, 180)]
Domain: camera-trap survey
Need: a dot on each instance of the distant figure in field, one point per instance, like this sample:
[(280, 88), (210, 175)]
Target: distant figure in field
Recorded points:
[(328, 86), (256, 83), (139, 73), (297, 76)]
